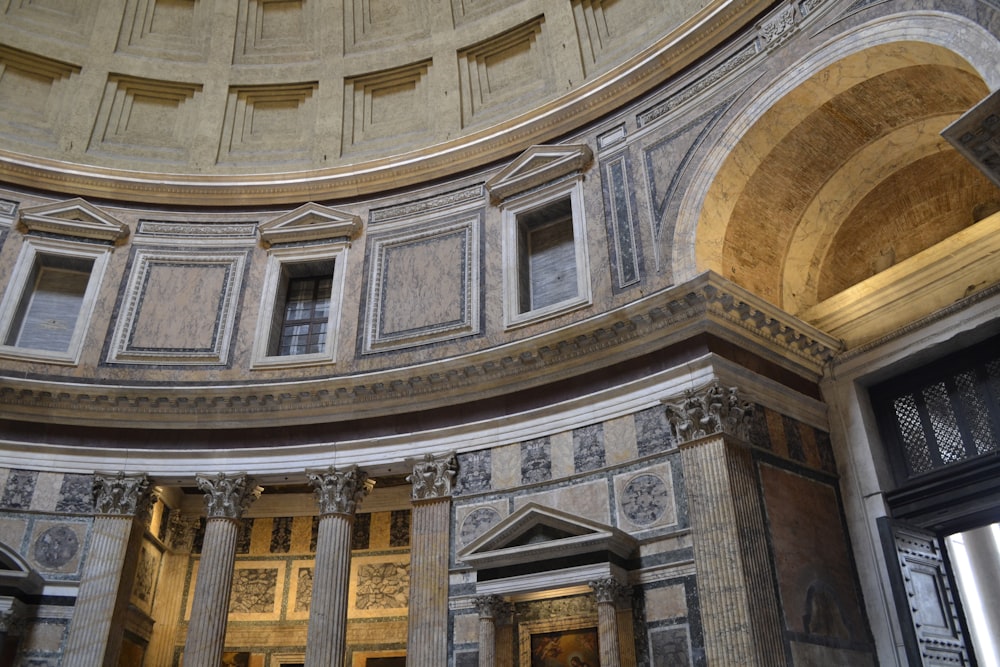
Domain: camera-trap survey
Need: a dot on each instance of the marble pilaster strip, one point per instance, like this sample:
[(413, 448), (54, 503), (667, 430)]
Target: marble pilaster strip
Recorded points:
[(427, 632), (226, 498), (740, 618), (338, 493), (97, 627)]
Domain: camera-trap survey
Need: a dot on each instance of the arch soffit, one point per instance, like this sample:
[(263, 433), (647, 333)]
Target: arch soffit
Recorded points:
[(874, 48)]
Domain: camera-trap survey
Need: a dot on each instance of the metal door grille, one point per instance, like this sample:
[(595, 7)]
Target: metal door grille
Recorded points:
[(942, 414)]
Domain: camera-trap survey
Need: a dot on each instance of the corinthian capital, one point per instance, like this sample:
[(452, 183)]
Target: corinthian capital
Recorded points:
[(432, 477), (118, 494), (340, 491), (228, 497), (710, 410), (608, 589)]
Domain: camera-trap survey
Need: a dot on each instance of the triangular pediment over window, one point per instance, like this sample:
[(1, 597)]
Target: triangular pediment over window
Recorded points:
[(536, 534), (74, 217), (537, 166), (16, 576), (309, 222)]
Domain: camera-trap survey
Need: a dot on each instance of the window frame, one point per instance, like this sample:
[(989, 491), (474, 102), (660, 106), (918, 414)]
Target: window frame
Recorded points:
[(269, 320), (32, 252), (514, 314)]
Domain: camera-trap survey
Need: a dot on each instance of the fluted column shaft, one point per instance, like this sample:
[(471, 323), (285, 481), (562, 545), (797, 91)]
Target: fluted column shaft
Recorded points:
[(338, 493), (607, 591), (97, 628), (491, 607), (427, 632), (227, 498)]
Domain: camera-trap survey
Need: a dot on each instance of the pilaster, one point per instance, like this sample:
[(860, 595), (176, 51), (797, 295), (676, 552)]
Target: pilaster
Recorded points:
[(608, 591), (427, 632), (122, 504)]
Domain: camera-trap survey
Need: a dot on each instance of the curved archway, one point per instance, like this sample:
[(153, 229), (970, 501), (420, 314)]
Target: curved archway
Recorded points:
[(822, 188)]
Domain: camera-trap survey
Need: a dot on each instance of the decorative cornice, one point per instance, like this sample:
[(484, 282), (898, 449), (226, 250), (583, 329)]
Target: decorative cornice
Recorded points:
[(309, 222), (227, 497), (433, 476), (709, 410), (119, 494), (340, 491), (537, 166), (672, 53)]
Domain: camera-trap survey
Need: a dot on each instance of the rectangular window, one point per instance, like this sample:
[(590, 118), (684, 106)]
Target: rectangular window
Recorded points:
[(50, 305), (307, 314), (301, 306), (52, 290), (545, 262)]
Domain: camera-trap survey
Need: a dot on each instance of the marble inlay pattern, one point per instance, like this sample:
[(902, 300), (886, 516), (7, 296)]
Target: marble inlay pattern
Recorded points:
[(56, 547), (474, 472), (588, 447), (646, 498), (19, 489), (179, 307), (793, 439), (399, 528), (477, 522), (671, 645), (424, 284), (622, 221), (361, 535), (303, 590), (243, 538), (652, 431), (76, 494), (254, 590), (536, 461), (281, 535), (381, 584)]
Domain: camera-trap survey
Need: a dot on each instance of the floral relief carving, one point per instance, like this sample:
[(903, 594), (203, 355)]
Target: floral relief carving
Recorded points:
[(710, 410)]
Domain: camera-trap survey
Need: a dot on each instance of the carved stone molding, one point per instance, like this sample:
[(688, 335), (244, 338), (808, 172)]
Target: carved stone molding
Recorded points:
[(432, 476), (706, 302), (119, 494), (709, 410), (340, 491), (228, 497), (608, 590)]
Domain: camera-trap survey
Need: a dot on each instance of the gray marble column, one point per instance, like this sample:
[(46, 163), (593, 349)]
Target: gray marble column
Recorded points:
[(492, 608), (427, 631), (226, 498), (181, 530), (338, 493), (121, 504), (608, 591)]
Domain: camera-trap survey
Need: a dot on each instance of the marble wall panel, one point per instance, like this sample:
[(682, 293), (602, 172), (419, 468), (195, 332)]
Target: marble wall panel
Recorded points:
[(645, 498), (18, 489), (47, 492), (590, 500), (588, 448), (652, 431), (42, 646), (57, 547), (380, 586), (670, 646), (76, 494), (812, 561), (361, 531), (666, 602), (506, 466), (621, 221), (474, 472), (620, 440), (256, 590), (563, 461), (300, 590), (424, 284), (399, 528), (179, 307), (536, 461)]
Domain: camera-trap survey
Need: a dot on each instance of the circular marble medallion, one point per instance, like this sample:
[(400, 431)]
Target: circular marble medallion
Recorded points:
[(645, 499)]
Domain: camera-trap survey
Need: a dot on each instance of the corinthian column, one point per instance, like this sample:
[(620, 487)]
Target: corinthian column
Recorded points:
[(339, 493), (427, 634), (226, 499), (122, 504), (607, 591)]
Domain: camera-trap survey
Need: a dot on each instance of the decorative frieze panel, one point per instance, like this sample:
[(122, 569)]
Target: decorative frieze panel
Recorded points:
[(274, 124), (178, 308), (146, 119), (424, 285), (498, 71), (166, 29), (622, 221), (33, 90)]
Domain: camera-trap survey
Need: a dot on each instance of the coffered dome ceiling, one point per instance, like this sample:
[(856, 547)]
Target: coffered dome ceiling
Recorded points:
[(267, 101)]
